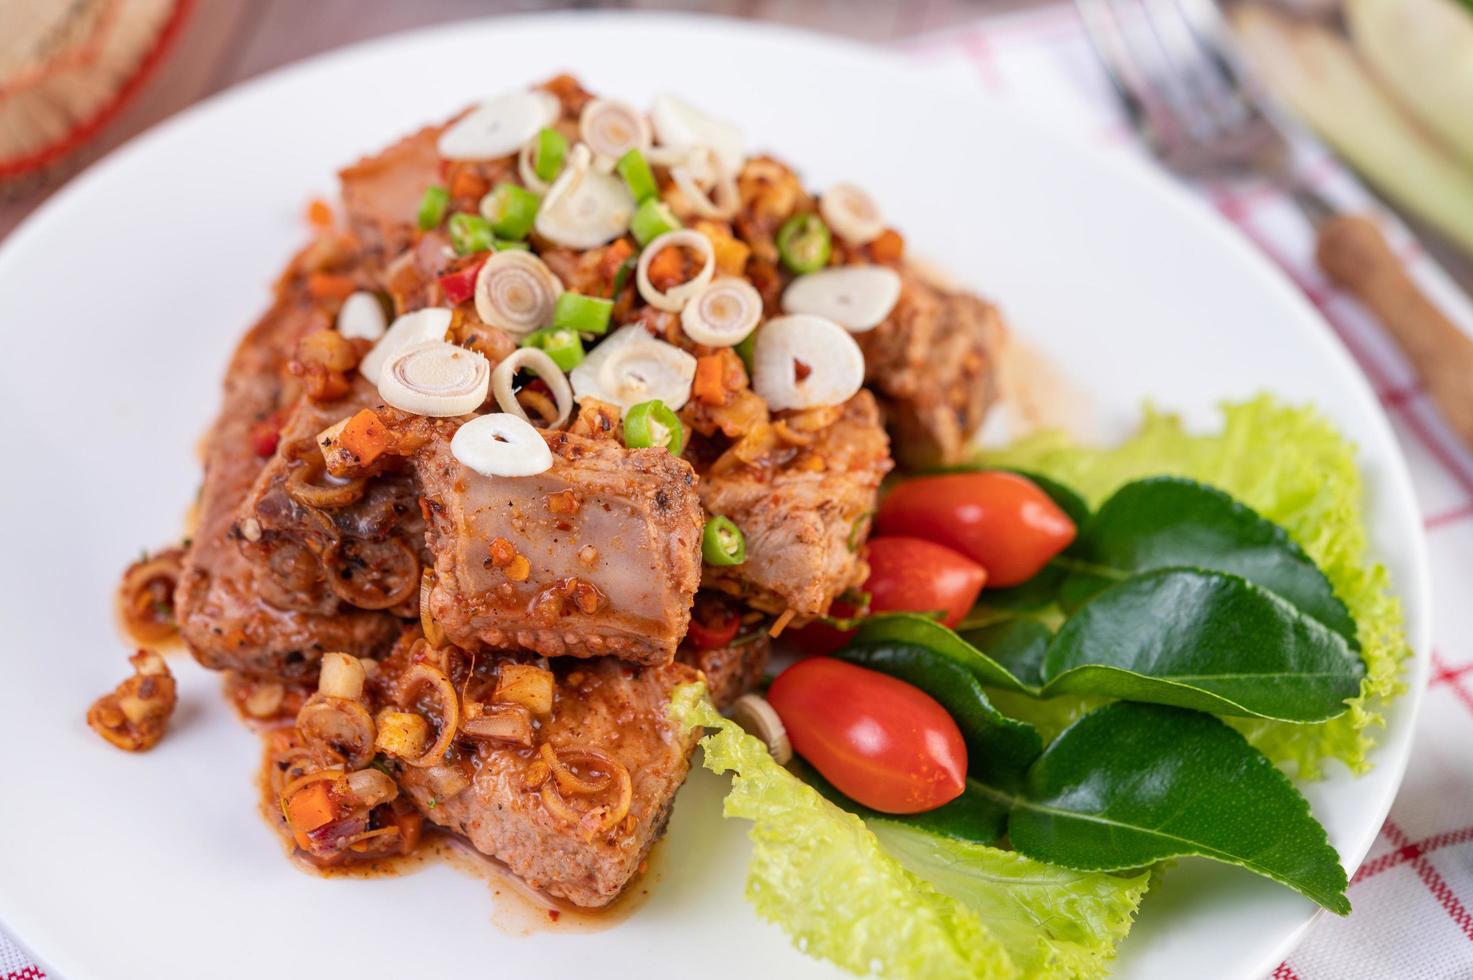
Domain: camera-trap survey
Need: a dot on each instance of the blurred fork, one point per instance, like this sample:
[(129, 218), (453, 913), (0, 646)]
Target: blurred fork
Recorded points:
[(1184, 92)]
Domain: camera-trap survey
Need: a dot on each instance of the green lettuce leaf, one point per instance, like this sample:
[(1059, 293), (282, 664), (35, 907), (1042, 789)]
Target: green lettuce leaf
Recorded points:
[(1053, 921), (1291, 466), (899, 901)]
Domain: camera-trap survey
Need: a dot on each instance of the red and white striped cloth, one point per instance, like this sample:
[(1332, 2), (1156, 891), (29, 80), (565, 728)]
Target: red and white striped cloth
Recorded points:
[(1413, 893)]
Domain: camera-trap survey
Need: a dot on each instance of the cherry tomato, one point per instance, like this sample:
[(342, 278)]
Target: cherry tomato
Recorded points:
[(915, 575), (1002, 521), (880, 741), (712, 625), (819, 639)]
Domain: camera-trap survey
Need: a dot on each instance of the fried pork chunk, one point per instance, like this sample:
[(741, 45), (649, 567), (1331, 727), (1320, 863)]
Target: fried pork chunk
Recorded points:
[(803, 518), (731, 670), (222, 609), (571, 804), (932, 364), (598, 555)]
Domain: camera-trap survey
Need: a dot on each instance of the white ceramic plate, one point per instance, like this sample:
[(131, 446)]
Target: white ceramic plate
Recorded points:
[(132, 286)]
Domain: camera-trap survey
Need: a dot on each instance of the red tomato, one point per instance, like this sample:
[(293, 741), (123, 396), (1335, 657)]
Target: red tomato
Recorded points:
[(819, 639), (915, 575), (713, 625), (1002, 521), (879, 740)]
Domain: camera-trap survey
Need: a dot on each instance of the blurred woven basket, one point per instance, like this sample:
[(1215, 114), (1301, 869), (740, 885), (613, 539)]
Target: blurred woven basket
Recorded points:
[(67, 68)]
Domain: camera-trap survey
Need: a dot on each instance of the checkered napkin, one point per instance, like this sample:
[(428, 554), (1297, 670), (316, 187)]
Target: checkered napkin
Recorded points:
[(1412, 894)]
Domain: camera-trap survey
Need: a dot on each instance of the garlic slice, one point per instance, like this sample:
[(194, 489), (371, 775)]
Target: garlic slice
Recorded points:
[(857, 297), (723, 313), (851, 213), (409, 330), (673, 300), (540, 364), (584, 208), (611, 129), (499, 126), (701, 169), (436, 379), (679, 124), (830, 362), (517, 292), (362, 316), (630, 367), (501, 445)]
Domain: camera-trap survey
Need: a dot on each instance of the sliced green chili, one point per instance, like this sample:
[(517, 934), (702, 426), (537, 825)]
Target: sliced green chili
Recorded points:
[(511, 211), (548, 155), (652, 219), (432, 207), (637, 175), (470, 233), (585, 314), (804, 244), (722, 543), (652, 424), (565, 347)]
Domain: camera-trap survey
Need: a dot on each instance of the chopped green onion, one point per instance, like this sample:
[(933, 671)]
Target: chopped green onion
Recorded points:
[(432, 207), (565, 347), (511, 211), (652, 424), (651, 220), (804, 244), (637, 175), (470, 233), (722, 543), (547, 157), (585, 314)]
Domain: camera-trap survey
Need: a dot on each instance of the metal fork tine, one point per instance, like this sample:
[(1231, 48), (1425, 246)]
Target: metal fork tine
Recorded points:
[(1104, 36), (1207, 112)]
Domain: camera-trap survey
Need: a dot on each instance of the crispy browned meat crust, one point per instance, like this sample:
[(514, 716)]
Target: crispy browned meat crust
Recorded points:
[(732, 670)]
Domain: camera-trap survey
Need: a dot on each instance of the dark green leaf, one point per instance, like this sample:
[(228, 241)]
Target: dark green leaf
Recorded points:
[(1204, 640), (978, 815), (999, 748), (1132, 784), (925, 631), (1166, 522), (1019, 645)]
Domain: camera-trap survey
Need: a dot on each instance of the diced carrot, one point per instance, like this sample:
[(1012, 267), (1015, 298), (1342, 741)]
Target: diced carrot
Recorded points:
[(310, 807), (319, 213), (365, 437), (889, 247), (667, 269), (468, 184), (326, 285), (709, 387)]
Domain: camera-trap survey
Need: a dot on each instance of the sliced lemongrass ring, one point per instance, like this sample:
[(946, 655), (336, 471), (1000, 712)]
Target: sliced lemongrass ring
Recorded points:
[(584, 208), (517, 292), (540, 364), (611, 129), (630, 367), (723, 201), (805, 361), (857, 297), (499, 126), (436, 379), (851, 213), (723, 313), (681, 125), (362, 316), (409, 330), (675, 298), (527, 170), (501, 445)]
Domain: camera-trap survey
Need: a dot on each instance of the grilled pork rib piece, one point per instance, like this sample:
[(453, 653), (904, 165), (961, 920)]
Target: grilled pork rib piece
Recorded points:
[(802, 519), (609, 723), (732, 670), (222, 611), (932, 364)]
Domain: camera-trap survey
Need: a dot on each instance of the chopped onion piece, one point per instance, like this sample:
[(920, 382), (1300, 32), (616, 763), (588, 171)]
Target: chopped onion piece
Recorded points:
[(805, 361), (857, 297), (540, 363), (674, 299), (436, 379), (611, 129), (851, 213), (723, 313), (632, 367), (409, 330), (498, 127), (584, 208), (517, 292), (341, 676), (501, 445), (681, 125), (723, 201), (362, 315)]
